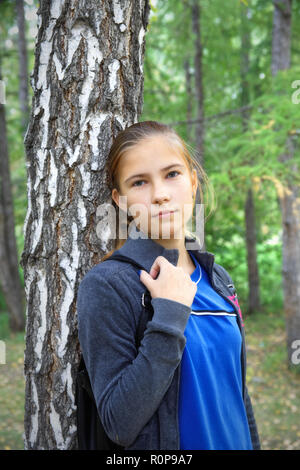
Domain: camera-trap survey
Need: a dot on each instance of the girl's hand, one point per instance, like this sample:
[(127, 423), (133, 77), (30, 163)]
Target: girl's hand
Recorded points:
[(173, 282)]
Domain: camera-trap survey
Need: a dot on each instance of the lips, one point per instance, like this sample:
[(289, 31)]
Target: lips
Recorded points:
[(164, 213)]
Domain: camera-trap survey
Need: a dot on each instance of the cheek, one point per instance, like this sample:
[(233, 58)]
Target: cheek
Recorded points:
[(184, 191), (185, 199)]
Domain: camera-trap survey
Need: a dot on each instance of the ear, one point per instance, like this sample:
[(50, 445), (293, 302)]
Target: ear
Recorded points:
[(115, 196)]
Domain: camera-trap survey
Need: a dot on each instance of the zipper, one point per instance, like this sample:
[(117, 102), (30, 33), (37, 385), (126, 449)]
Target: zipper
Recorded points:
[(231, 286), (224, 295), (229, 300)]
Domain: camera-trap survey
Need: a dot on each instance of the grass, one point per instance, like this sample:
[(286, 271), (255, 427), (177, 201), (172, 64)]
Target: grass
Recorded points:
[(12, 384), (274, 388)]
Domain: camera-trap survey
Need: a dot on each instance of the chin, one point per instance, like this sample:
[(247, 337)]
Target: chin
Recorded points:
[(168, 233)]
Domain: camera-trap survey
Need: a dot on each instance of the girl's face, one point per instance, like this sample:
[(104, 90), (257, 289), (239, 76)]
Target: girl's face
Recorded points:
[(154, 178)]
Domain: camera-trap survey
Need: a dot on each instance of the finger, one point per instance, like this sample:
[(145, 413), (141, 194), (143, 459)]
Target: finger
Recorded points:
[(156, 266), (146, 279), (154, 272)]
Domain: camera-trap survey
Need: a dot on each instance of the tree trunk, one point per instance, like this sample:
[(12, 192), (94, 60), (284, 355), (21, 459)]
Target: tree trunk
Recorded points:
[(199, 126), (88, 85), (253, 277), (9, 273), (23, 72), (281, 35), (189, 94), (290, 199), (250, 225)]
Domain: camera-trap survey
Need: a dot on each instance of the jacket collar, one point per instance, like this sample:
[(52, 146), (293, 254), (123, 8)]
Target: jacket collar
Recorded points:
[(144, 250)]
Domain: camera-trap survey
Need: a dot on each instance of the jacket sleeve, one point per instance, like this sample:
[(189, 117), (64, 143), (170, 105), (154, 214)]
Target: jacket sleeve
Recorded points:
[(128, 385)]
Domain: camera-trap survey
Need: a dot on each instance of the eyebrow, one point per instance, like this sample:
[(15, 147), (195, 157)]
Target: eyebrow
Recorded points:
[(163, 169)]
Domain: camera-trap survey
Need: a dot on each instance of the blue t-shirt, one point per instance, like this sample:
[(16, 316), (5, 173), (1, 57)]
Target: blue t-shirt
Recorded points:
[(212, 414)]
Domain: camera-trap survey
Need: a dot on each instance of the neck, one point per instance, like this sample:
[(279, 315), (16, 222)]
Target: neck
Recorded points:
[(184, 259)]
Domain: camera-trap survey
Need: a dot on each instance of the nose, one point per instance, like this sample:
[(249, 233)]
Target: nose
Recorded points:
[(160, 194)]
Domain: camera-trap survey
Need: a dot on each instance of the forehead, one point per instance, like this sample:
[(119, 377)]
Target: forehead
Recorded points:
[(156, 151)]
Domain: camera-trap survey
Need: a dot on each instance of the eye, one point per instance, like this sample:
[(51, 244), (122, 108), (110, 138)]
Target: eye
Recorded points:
[(174, 171), (135, 184)]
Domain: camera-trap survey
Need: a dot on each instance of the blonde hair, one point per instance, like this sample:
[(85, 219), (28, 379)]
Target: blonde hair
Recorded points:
[(132, 135)]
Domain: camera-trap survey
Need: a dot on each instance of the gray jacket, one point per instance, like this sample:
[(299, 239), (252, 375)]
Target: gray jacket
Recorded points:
[(137, 391)]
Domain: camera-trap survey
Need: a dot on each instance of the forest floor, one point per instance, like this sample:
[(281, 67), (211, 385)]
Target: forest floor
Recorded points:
[(273, 388)]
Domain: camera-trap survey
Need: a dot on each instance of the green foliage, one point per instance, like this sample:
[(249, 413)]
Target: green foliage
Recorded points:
[(10, 65), (235, 159), (274, 120), (4, 326)]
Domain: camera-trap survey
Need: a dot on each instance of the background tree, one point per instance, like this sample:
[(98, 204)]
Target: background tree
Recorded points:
[(198, 72), (290, 197), (88, 84), (9, 273), (23, 64), (271, 144), (250, 223)]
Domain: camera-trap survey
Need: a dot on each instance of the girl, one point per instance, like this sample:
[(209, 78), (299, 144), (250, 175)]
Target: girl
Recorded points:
[(184, 386)]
